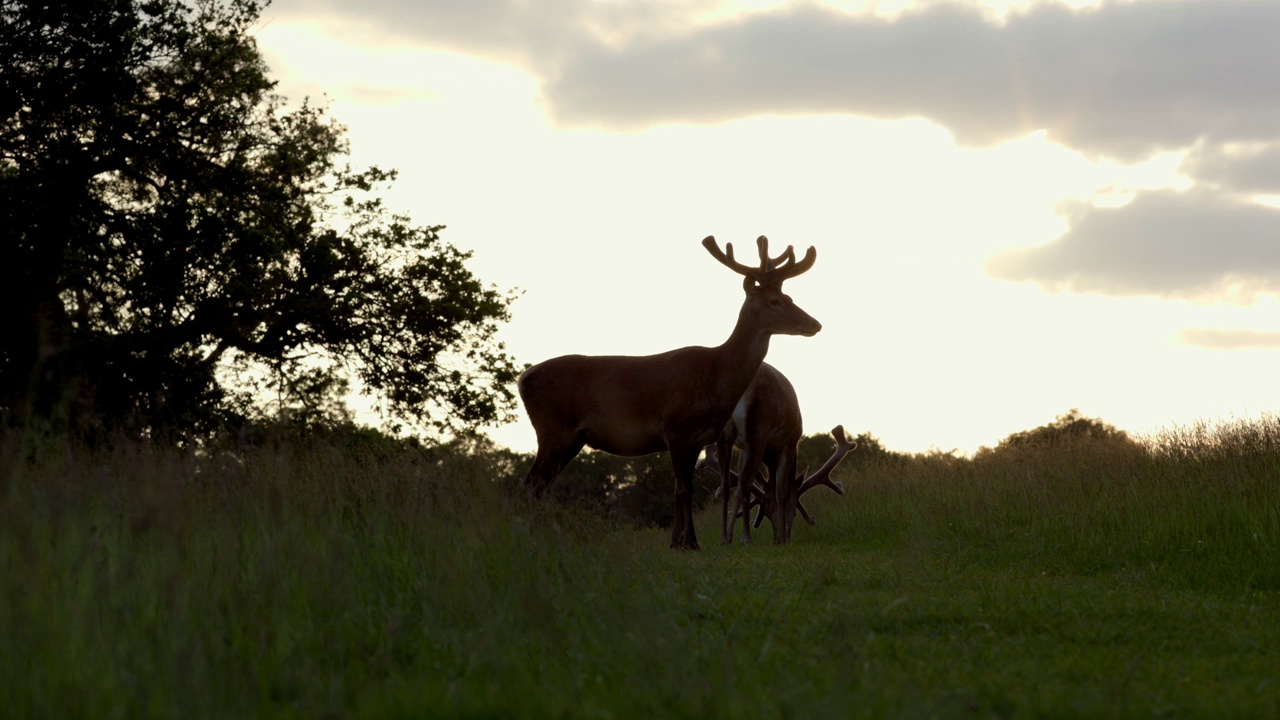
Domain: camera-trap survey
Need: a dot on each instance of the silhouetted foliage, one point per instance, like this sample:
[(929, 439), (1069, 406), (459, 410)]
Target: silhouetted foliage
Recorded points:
[(633, 491), (647, 498), (815, 449), (176, 244), (630, 491), (591, 481), (1071, 426), (299, 432)]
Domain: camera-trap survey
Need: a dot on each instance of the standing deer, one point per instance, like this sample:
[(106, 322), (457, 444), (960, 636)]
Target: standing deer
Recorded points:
[(676, 401), (746, 424)]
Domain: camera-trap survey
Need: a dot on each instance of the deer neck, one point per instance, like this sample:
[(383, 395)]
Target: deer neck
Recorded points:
[(739, 358)]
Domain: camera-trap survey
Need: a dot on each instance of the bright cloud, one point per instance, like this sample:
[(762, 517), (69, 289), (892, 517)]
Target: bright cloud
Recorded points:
[(1197, 245), (1218, 339), (1116, 79), (951, 160)]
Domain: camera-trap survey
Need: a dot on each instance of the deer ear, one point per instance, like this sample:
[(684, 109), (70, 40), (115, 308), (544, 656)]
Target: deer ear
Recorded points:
[(749, 285)]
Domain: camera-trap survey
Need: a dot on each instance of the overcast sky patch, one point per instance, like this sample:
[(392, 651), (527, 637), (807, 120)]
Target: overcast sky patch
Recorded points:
[(1120, 79), (1253, 169), (1123, 78), (1214, 339), (1193, 245)]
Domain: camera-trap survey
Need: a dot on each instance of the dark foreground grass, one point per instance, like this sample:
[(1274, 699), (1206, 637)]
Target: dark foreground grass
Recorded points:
[(1069, 581)]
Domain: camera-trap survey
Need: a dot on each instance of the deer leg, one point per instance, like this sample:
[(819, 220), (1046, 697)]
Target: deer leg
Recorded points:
[(683, 536), (724, 455), (784, 500), (750, 466), (550, 461)]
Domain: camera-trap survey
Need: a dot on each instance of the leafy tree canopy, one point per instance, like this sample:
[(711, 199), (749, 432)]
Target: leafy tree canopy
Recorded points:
[(176, 243), (815, 449), (1070, 426)]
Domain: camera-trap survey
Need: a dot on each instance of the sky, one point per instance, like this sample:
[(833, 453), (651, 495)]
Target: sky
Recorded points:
[(1019, 208)]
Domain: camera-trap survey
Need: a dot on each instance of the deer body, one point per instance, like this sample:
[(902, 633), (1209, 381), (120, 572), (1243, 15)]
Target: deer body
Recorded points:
[(677, 401), (767, 425), (631, 405)]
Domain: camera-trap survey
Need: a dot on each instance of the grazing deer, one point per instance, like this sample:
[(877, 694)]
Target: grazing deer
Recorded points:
[(676, 401), (762, 494)]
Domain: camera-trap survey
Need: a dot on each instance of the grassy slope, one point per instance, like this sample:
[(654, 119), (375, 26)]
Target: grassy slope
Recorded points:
[(1071, 581)]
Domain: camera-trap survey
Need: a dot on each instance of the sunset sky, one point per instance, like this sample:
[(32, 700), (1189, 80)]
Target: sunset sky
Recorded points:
[(1019, 207)]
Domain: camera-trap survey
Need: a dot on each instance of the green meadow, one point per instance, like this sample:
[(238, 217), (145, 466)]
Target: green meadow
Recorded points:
[(1081, 578)]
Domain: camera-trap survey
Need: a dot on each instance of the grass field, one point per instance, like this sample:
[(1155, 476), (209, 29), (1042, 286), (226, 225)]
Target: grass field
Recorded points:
[(1080, 579)]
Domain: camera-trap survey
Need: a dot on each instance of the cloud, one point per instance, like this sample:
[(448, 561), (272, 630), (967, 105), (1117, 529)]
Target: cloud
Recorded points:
[(1194, 245), (1213, 339), (1247, 170), (540, 37), (1123, 78)]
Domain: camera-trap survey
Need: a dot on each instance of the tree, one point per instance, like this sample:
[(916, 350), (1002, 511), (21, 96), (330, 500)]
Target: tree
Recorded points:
[(1071, 426), (175, 241), (815, 449), (644, 491)]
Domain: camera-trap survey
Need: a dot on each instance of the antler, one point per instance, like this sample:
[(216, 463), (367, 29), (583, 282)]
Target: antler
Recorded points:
[(785, 266), (806, 482), (772, 271), (768, 263), (726, 259), (823, 476), (711, 461)]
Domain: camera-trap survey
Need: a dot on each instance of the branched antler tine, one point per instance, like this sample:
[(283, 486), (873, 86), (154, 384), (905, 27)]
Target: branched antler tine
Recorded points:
[(726, 258), (787, 256), (767, 264), (823, 476), (817, 480), (758, 495), (793, 268), (755, 498), (804, 511)]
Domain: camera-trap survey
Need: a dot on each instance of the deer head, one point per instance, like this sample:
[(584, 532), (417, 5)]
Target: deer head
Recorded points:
[(772, 310)]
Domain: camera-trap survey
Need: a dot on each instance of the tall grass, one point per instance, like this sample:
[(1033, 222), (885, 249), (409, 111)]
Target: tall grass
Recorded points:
[(1073, 579), (1200, 506)]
